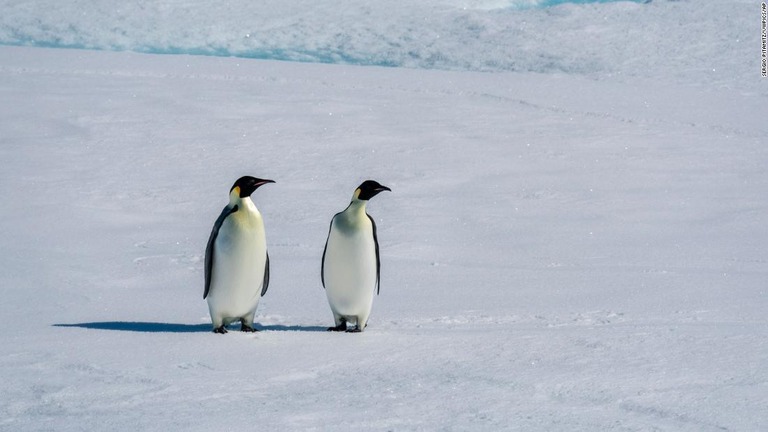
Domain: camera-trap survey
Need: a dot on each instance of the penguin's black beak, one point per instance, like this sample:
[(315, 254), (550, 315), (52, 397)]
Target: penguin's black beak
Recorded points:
[(261, 182), (376, 190)]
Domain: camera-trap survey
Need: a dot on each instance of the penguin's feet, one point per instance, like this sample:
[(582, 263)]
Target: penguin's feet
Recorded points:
[(339, 328), (247, 328), (356, 329), (220, 330)]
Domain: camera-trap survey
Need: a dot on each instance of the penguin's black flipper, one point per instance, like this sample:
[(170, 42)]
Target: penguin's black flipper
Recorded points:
[(265, 283), (209, 248), (322, 268), (376, 247)]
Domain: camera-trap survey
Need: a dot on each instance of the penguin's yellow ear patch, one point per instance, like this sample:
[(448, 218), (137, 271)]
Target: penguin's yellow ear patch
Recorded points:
[(236, 190), (356, 195)]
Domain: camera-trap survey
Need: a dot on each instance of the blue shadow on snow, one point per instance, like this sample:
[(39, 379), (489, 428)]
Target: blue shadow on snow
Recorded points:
[(156, 327)]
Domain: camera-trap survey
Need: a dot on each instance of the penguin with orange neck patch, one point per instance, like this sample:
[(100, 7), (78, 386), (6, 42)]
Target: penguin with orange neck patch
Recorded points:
[(351, 263), (236, 259)]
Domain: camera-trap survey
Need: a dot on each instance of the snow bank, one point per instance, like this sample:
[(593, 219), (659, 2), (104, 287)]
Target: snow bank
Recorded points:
[(710, 42)]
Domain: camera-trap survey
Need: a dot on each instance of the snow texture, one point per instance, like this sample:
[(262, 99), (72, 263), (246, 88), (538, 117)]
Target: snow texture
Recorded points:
[(574, 242)]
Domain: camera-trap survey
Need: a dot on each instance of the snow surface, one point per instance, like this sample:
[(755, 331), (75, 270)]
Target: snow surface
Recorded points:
[(575, 247)]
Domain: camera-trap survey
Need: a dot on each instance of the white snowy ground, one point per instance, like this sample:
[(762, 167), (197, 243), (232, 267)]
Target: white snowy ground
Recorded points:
[(559, 252)]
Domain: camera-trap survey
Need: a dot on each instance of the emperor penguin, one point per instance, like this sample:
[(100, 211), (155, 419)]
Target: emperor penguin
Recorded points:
[(351, 264), (236, 260)]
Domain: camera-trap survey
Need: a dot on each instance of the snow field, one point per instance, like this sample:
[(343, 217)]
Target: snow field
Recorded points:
[(559, 252)]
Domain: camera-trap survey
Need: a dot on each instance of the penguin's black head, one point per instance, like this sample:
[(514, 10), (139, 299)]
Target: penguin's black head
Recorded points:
[(369, 189), (247, 184)]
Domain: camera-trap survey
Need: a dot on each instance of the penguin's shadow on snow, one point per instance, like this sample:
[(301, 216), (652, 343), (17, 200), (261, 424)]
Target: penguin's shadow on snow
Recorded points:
[(157, 327)]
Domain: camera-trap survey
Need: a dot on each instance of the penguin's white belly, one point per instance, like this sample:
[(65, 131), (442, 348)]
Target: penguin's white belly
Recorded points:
[(238, 272), (349, 271)]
